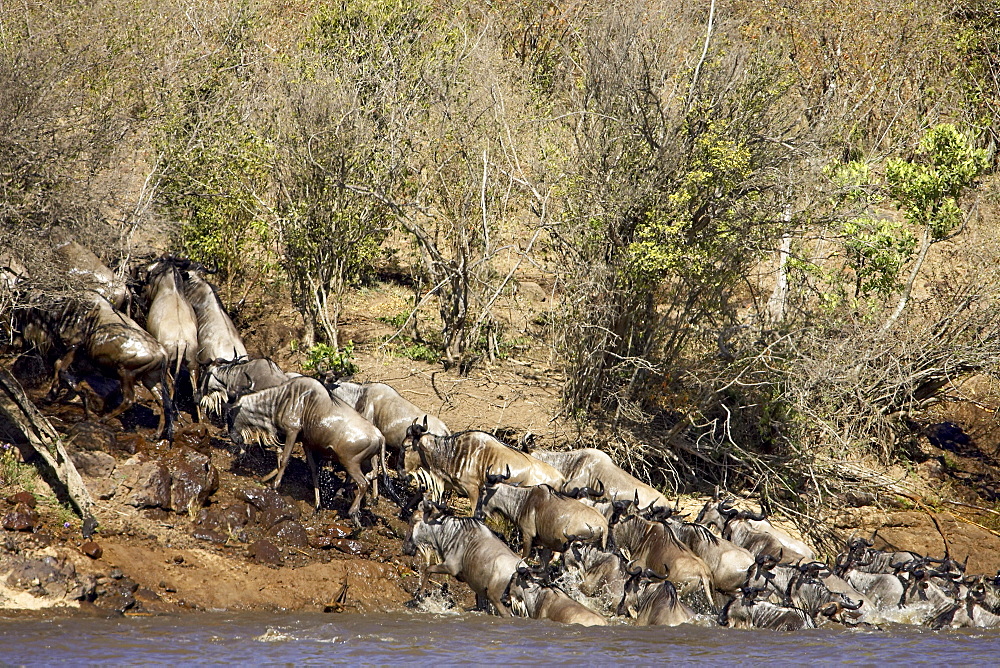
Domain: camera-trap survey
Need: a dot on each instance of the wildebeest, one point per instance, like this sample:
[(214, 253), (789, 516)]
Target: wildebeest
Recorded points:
[(540, 601), (861, 556), (753, 532), (468, 551), (109, 340), (746, 612), (885, 590), (728, 562), (602, 574), (302, 409), (218, 338), (223, 381), (464, 460), (545, 516), (651, 600), (590, 467), (652, 545), (171, 319), (83, 265), (388, 410)]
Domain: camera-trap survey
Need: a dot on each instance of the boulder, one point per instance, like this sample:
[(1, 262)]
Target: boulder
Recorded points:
[(150, 485), (94, 463), (21, 518), (193, 479), (265, 552), (289, 532)]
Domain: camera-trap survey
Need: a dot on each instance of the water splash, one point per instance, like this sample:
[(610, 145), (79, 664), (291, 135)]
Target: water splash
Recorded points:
[(273, 635), (570, 581), (438, 602)]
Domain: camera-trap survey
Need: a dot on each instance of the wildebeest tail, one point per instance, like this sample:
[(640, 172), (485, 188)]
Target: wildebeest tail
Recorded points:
[(169, 410), (383, 464), (181, 353)]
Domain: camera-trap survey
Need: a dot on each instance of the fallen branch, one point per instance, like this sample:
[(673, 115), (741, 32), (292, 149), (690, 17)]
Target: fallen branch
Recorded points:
[(39, 433)]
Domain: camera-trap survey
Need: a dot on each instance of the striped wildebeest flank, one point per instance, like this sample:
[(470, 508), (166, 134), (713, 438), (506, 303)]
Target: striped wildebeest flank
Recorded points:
[(544, 516), (302, 409), (224, 381), (468, 551), (171, 319), (753, 531), (218, 337), (388, 410), (464, 460), (537, 600), (728, 562), (109, 341), (747, 612), (601, 573), (651, 599), (654, 546), (590, 467)]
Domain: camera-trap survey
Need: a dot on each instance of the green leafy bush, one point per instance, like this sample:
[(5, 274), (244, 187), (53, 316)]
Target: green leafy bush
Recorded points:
[(324, 358)]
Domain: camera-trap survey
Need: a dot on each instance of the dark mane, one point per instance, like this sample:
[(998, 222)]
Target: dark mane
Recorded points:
[(703, 531)]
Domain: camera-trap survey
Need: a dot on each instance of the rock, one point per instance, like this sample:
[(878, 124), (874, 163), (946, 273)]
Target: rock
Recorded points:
[(94, 464), (289, 532), (30, 573), (150, 484), (22, 518), (193, 479), (146, 595), (91, 436), (532, 291), (859, 499), (210, 535), (274, 516), (102, 488), (265, 552), (92, 549), (117, 595), (195, 436), (227, 518), (131, 443), (27, 498), (264, 499), (82, 589), (348, 546), (323, 538)]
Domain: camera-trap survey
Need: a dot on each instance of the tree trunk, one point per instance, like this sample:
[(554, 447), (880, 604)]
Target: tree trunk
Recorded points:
[(16, 408)]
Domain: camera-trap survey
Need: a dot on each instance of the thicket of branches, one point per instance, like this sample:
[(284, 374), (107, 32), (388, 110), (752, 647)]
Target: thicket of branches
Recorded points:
[(755, 216)]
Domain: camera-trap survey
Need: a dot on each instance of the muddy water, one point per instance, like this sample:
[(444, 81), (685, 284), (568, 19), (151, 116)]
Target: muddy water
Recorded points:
[(423, 638)]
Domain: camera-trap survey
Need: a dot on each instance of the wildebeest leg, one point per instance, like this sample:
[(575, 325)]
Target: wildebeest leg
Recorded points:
[(353, 468), (529, 539), (61, 365), (315, 473), (127, 379), (283, 459), (544, 559), (193, 375)]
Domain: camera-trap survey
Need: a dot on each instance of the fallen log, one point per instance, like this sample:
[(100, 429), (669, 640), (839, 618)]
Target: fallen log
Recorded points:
[(17, 408)]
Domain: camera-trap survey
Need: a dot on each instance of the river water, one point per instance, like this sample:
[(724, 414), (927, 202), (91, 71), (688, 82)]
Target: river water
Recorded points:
[(423, 638)]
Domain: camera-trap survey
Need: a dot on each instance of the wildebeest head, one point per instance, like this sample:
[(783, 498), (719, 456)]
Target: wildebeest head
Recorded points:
[(580, 492), (489, 490), (413, 435), (637, 578), (427, 514)]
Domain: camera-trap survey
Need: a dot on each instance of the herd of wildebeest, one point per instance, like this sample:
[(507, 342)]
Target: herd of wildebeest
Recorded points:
[(623, 548)]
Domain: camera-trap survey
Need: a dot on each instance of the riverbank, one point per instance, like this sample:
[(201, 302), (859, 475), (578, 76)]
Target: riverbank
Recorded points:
[(187, 526)]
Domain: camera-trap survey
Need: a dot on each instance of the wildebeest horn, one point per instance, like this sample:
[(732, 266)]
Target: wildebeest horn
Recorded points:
[(653, 575), (851, 605), (633, 573), (497, 478)]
